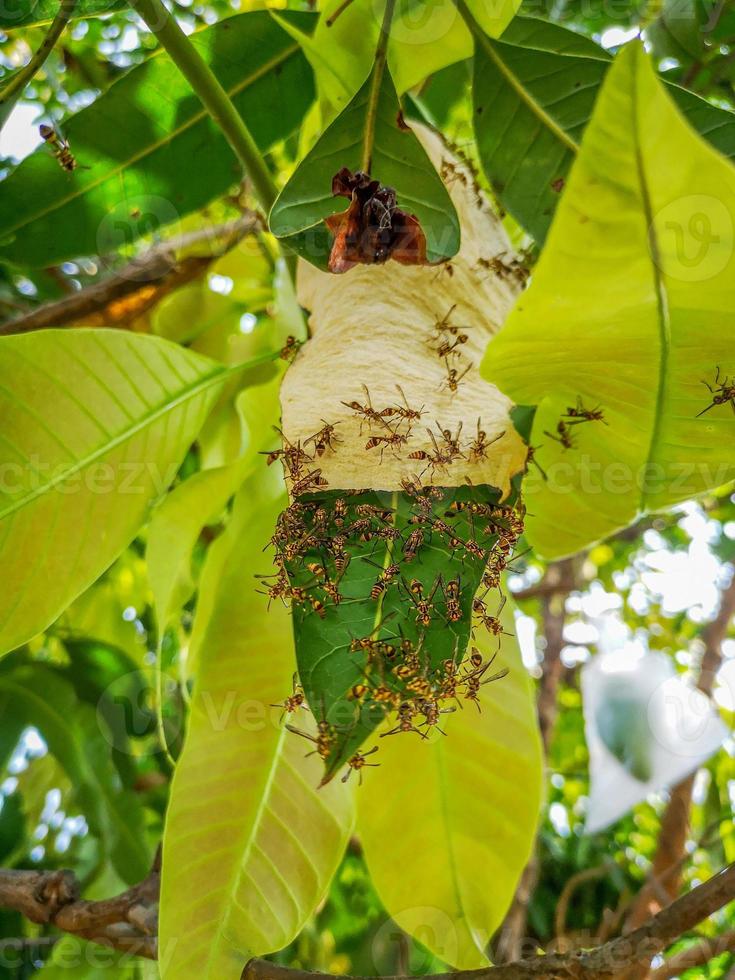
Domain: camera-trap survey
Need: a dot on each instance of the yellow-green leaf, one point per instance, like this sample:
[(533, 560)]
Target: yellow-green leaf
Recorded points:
[(631, 309), (425, 36), (94, 426), (250, 842), (447, 827), (175, 526)]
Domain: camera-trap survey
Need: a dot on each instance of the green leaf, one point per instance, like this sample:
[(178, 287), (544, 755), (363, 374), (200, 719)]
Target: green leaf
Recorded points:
[(23, 14), (95, 425), (175, 527), (368, 129), (425, 36), (255, 872), (630, 309), (329, 667), (447, 827), (73, 735), (534, 91), (151, 151)]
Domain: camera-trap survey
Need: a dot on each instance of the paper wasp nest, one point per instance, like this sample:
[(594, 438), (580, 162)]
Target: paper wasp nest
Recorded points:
[(422, 329)]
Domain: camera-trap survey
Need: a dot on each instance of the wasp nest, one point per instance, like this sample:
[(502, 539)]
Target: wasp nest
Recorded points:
[(388, 391)]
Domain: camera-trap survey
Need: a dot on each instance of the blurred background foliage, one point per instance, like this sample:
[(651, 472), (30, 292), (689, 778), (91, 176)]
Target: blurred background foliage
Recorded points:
[(85, 785)]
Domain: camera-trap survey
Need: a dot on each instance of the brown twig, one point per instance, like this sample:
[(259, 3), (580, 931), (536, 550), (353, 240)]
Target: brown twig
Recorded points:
[(639, 946), (139, 285), (128, 922), (574, 882), (696, 955)]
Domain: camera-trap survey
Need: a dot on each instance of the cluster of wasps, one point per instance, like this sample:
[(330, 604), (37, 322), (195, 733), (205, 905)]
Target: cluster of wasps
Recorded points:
[(325, 545), (448, 341), (391, 427)]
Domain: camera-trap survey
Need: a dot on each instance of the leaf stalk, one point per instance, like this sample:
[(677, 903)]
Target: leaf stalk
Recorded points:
[(215, 100)]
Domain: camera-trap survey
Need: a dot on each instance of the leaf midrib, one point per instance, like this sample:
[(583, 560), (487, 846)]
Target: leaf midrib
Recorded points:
[(518, 87), (152, 147), (662, 306), (202, 384)]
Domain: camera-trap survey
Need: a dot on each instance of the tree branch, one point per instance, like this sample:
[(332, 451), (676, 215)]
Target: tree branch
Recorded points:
[(139, 285), (128, 922), (605, 961)]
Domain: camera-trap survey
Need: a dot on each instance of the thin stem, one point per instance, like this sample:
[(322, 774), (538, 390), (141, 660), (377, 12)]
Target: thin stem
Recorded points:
[(24, 75), (381, 57), (215, 100)]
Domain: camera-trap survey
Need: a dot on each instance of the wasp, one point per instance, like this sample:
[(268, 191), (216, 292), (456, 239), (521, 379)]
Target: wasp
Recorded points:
[(474, 680), (441, 456), (450, 173), (384, 695), (402, 411), (385, 577), (60, 146), (278, 590), (579, 413), (324, 439), (332, 592), (309, 482), (491, 623), (452, 592), (406, 714), (453, 377), (318, 606), (412, 544), (341, 558), (499, 267), (413, 486), (323, 740), (449, 678), (451, 442), (563, 435), (446, 347), (430, 709), (388, 533), (370, 510), (480, 445), (290, 349), (358, 692), (359, 527), (492, 573), (358, 763), (394, 439), (294, 701), (339, 512), (366, 412), (444, 326), (374, 648), (424, 605), (294, 457), (722, 393)]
